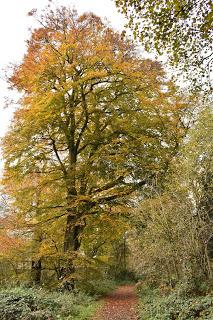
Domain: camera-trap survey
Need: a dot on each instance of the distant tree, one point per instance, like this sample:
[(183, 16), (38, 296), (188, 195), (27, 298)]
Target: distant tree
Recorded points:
[(95, 124), (181, 29)]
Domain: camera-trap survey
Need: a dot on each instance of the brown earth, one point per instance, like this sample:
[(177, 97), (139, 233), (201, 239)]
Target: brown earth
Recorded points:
[(119, 305)]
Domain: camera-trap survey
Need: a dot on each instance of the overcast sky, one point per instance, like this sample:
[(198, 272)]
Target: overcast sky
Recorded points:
[(14, 30)]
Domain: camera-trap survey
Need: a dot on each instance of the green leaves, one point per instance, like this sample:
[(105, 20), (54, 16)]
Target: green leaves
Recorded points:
[(180, 29)]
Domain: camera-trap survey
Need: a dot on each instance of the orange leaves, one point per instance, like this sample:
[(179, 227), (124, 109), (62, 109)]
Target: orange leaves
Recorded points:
[(95, 124), (9, 244), (10, 240), (54, 57)]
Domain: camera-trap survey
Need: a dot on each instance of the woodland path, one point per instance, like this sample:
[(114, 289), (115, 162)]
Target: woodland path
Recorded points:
[(121, 304)]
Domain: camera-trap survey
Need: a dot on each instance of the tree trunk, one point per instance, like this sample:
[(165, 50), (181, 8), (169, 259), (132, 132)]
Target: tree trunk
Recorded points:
[(72, 232), (36, 264), (71, 244), (36, 272)]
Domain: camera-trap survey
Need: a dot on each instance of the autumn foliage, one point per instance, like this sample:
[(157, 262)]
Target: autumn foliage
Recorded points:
[(96, 124)]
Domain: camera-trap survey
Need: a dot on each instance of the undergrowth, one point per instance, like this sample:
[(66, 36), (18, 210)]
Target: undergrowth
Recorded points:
[(156, 305), (38, 304), (98, 287)]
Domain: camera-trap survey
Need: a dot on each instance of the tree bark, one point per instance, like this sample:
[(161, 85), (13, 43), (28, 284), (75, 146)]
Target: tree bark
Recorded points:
[(36, 271), (72, 232), (71, 244)]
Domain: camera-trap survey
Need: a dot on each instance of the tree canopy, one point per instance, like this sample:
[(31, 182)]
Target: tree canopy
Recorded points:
[(95, 124), (181, 29)]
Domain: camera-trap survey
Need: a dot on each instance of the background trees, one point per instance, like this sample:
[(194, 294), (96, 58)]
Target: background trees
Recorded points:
[(181, 29), (174, 228), (95, 124)]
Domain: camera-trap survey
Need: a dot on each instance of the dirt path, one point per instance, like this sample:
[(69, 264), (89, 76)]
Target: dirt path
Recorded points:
[(119, 305)]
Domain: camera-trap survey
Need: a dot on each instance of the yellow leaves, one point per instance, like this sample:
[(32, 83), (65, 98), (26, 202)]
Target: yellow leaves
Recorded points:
[(46, 250), (104, 259), (91, 75), (90, 126)]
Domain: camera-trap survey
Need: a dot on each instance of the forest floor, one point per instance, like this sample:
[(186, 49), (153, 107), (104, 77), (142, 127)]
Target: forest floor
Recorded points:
[(121, 304)]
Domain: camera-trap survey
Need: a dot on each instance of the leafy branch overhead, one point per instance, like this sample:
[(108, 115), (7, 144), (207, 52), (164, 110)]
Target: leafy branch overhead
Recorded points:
[(181, 29)]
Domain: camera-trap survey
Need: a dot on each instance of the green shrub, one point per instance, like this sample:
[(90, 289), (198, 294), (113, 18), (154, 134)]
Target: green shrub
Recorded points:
[(193, 287), (97, 287), (34, 304), (155, 306), (38, 315)]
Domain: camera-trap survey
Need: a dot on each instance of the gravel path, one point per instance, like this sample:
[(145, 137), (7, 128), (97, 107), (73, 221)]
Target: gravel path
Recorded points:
[(119, 305)]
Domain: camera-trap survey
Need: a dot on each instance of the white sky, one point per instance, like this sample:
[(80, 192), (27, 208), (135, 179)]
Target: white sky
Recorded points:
[(14, 30)]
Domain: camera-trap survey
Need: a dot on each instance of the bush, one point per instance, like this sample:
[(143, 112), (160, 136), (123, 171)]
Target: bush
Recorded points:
[(34, 304), (97, 287), (156, 306), (193, 287)]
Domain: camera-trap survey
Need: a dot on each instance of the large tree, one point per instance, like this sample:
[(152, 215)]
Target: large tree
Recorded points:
[(181, 29), (95, 123)]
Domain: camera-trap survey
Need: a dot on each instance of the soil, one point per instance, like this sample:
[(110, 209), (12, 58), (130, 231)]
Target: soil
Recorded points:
[(119, 305)]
